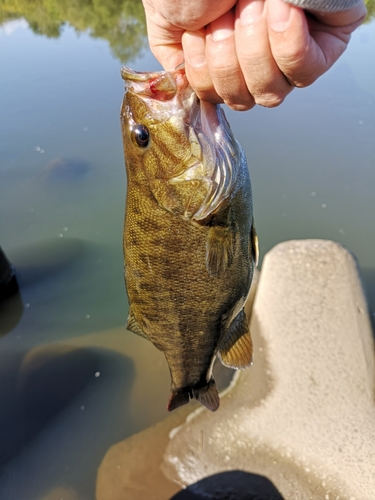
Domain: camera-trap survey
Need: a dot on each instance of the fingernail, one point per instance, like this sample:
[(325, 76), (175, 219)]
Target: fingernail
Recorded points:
[(278, 14), (252, 12)]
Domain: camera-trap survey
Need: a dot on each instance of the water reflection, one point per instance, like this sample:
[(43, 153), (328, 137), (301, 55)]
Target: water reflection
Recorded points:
[(120, 22), (370, 4)]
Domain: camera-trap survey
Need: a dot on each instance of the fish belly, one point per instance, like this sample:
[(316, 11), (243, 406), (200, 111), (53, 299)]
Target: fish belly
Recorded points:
[(175, 301)]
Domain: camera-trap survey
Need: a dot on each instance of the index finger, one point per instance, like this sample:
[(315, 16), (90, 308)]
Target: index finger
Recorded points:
[(165, 44)]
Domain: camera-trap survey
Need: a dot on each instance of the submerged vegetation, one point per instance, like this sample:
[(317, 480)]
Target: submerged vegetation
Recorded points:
[(121, 22)]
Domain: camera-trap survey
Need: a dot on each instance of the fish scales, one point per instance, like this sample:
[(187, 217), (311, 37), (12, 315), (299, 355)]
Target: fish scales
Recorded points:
[(190, 245)]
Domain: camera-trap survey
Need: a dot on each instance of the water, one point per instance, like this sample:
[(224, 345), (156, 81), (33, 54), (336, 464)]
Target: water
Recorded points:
[(73, 381)]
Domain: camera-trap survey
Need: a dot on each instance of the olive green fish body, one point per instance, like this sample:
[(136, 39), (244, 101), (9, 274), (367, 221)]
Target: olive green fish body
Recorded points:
[(189, 241)]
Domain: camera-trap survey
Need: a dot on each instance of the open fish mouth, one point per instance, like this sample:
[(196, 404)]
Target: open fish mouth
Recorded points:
[(215, 155)]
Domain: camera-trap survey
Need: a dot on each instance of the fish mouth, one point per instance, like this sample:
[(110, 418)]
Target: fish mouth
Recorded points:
[(215, 155)]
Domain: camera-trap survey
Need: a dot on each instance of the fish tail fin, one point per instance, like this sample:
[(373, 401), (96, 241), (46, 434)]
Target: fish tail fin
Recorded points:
[(178, 397), (206, 394)]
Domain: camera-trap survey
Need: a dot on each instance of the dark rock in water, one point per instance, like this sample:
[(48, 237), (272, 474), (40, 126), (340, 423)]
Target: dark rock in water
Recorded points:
[(67, 170), (8, 281), (39, 260), (11, 311)]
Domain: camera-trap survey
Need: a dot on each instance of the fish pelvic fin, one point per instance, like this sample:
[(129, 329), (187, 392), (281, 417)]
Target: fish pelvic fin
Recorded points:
[(133, 326), (236, 351), (219, 249), (207, 395), (254, 245)]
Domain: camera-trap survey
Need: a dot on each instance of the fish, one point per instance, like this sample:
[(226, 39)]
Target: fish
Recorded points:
[(190, 245)]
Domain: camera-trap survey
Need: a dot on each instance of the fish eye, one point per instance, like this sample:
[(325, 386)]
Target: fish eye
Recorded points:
[(140, 135)]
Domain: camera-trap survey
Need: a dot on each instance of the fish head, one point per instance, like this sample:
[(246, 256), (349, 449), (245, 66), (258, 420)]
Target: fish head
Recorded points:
[(179, 146)]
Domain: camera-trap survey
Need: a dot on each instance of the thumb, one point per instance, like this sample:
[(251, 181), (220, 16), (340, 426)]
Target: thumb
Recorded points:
[(165, 44)]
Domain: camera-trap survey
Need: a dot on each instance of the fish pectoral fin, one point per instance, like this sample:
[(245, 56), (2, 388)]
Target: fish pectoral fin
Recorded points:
[(236, 351), (133, 325), (254, 244), (219, 249)]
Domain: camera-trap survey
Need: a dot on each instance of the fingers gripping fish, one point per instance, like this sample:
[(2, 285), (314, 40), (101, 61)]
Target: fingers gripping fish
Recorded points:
[(190, 245)]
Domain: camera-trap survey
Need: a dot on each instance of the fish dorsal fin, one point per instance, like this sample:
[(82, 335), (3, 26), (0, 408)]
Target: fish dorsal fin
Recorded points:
[(133, 325), (254, 244), (236, 351), (219, 249)]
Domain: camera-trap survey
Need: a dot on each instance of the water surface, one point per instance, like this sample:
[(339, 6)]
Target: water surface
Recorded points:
[(73, 381)]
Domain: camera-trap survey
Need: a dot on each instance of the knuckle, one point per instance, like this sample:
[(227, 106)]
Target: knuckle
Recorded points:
[(269, 100), (293, 56), (301, 66), (240, 106), (208, 95), (301, 80)]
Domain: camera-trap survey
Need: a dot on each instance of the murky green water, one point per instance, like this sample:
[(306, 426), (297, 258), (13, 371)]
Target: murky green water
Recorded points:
[(72, 380)]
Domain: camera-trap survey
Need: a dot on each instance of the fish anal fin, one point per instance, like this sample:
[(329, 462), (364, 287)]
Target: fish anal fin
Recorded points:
[(236, 351), (219, 249), (133, 325)]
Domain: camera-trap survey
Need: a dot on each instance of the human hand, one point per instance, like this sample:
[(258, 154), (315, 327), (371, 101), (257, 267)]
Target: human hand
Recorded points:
[(248, 52)]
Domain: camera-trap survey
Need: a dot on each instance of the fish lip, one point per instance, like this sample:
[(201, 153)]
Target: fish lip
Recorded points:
[(130, 74), (165, 94), (158, 85)]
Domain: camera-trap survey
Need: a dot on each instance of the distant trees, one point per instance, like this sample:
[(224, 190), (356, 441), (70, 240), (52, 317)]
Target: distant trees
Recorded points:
[(121, 22), (370, 4)]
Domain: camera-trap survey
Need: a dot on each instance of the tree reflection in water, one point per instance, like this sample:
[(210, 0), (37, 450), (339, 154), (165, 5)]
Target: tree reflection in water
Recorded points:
[(121, 22)]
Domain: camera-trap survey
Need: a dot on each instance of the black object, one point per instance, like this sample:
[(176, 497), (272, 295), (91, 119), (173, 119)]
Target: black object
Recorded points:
[(231, 485), (8, 280)]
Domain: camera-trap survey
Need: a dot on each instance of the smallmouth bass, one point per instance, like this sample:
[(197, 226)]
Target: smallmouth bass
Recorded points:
[(190, 245)]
